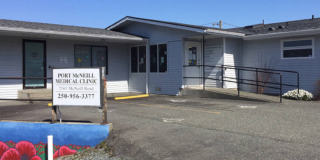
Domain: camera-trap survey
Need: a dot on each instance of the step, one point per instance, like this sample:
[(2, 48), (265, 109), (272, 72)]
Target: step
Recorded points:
[(232, 94), (35, 94)]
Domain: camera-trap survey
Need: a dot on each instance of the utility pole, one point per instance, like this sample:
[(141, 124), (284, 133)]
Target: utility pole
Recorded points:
[(220, 24)]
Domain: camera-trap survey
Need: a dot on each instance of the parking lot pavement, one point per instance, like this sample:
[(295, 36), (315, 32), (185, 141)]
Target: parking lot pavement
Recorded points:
[(170, 127), (40, 111)]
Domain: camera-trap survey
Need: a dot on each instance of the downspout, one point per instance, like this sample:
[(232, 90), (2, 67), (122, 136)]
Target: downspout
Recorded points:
[(223, 59), (203, 68), (240, 61), (147, 67)]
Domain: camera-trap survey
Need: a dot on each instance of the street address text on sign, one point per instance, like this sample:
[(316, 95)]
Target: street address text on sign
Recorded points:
[(76, 87)]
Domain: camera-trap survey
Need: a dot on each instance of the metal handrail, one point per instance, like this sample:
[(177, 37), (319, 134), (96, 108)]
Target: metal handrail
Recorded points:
[(298, 76), (251, 69), (263, 69), (26, 78)]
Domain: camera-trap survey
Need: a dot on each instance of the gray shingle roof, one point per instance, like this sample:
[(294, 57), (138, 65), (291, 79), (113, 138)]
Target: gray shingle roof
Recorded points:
[(298, 25), (62, 28), (167, 22)]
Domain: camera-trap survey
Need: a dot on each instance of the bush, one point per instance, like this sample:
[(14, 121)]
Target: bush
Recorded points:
[(303, 95)]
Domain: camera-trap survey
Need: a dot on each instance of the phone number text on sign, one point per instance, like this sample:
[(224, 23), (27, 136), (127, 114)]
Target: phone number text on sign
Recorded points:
[(76, 96), (76, 87)]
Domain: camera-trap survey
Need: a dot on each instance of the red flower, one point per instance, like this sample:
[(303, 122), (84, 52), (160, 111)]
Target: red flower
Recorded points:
[(64, 151), (23, 150), (3, 148)]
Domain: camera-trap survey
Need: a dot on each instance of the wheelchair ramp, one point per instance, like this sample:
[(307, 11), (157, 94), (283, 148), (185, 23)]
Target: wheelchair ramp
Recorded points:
[(231, 94)]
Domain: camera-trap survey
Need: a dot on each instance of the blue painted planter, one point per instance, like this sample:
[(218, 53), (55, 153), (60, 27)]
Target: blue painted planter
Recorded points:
[(68, 138)]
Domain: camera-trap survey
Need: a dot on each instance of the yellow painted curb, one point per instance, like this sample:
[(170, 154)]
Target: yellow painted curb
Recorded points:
[(49, 104), (130, 97)]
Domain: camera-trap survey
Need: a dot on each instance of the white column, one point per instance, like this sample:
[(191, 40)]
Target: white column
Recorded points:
[(50, 147)]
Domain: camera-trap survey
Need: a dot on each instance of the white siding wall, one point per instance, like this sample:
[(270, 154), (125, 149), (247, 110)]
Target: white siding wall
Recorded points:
[(117, 78), (171, 81), (10, 66), (11, 63), (137, 82), (232, 57), (55, 50), (218, 60), (270, 49)]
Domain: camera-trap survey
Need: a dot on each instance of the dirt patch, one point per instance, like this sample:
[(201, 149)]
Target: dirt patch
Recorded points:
[(121, 147)]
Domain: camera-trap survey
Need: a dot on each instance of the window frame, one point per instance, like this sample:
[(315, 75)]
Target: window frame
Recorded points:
[(138, 68), (107, 55), (158, 59), (282, 48)]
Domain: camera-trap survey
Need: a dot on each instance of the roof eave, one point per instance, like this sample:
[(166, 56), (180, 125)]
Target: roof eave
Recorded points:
[(71, 34), (113, 26), (224, 33), (283, 34)]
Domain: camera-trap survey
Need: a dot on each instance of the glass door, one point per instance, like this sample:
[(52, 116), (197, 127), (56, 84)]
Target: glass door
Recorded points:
[(34, 57), (192, 58)]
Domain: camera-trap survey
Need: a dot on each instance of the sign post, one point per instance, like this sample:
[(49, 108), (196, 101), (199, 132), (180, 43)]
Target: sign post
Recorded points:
[(104, 116)]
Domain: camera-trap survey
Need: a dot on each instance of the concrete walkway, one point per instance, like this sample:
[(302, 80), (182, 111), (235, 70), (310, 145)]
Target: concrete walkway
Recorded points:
[(222, 93)]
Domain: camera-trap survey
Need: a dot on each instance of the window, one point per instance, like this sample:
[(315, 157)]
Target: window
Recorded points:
[(91, 56), (153, 58), (162, 57), (138, 59), (158, 58), (299, 48), (192, 56), (134, 59), (142, 58)]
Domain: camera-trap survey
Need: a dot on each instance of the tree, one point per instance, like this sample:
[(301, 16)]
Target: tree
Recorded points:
[(262, 77)]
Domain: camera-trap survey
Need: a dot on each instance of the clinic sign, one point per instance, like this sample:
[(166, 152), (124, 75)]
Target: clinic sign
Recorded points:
[(77, 87)]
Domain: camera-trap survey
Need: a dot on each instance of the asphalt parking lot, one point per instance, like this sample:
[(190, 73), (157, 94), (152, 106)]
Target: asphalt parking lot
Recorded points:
[(170, 127), (167, 127)]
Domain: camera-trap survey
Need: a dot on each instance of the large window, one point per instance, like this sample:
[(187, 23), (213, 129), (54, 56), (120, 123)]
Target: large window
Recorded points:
[(158, 58), (138, 59), (298, 48), (91, 56)]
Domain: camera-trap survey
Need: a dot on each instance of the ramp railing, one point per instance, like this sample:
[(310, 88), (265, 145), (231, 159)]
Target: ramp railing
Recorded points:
[(24, 78), (246, 81)]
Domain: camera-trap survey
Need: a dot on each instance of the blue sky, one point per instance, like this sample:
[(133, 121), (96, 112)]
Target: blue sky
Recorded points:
[(102, 13)]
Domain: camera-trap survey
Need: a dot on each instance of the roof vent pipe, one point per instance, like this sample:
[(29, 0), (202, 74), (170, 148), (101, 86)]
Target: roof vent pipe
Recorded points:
[(312, 17)]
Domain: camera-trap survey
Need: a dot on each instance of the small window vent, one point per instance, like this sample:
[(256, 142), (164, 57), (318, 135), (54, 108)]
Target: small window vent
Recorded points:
[(254, 26), (281, 27), (272, 29)]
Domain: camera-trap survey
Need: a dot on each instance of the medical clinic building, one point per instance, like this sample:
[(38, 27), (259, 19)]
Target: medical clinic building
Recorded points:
[(149, 56)]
